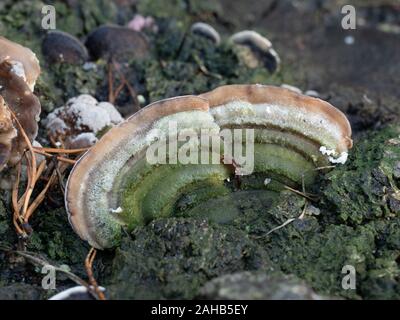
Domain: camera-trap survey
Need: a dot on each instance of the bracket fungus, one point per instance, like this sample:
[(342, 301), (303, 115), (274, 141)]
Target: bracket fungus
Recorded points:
[(23, 60), (23, 104), (207, 31), (256, 50), (115, 185), (7, 134)]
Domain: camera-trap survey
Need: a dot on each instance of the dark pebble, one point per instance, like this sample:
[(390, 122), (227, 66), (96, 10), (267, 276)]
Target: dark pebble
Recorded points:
[(119, 43), (61, 47)]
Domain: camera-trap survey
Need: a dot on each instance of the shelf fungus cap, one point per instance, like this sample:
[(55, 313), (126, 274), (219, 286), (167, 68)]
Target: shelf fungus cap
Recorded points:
[(256, 50), (293, 133), (24, 62), (23, 103), (207, 31), (7, 133)]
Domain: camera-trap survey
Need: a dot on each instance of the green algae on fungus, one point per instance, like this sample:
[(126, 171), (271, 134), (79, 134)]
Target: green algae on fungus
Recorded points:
[(367, 187), (114, 184)]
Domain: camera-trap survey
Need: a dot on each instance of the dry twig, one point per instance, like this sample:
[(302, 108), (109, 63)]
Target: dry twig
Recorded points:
[(89, 270)]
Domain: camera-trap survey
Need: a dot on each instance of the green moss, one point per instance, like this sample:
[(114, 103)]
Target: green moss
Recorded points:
[(319, 258), (4, 223), (174, 257), (362, 189), (55, 239), (97, 12), (186, 11), (203, 65)]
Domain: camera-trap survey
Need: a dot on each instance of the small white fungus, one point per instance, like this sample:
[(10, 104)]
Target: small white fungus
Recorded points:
[(329, 152)]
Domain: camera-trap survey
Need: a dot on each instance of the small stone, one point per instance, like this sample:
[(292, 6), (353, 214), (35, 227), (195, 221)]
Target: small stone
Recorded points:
[(116, 42), (61, 47), (257, 285)]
